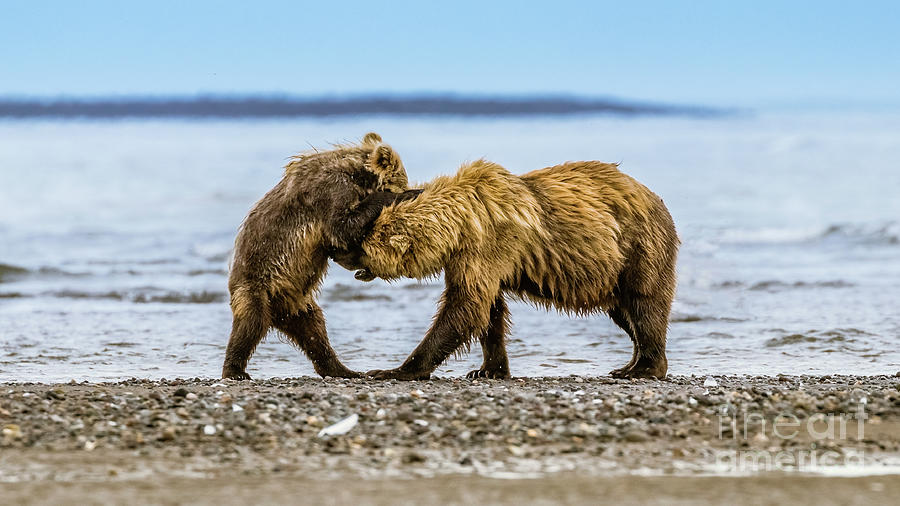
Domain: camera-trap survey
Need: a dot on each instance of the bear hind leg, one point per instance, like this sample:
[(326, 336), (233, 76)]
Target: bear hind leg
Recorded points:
[(306, 329), (251, 321), (618, 317), (493, 344), (649, 317)]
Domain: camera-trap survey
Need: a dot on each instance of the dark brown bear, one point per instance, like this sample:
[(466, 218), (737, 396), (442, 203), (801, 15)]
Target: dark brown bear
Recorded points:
[(326, 200)]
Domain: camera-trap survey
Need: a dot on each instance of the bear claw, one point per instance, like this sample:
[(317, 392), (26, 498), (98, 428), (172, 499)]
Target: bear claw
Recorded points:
[(489, 374), (637, 372), (397, 374), (340, 373), (236, 375)]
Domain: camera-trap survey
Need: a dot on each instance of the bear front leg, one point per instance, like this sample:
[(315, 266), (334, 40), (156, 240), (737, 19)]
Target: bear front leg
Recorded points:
[(306, 329), (463, 314), (493, 344)]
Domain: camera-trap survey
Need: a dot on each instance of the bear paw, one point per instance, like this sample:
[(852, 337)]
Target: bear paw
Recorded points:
[(639, 372), (235, 374), (338, 373), (364, 275), (488, 373), (398, 374)]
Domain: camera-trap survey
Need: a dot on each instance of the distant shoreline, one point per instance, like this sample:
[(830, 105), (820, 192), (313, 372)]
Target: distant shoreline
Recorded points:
[(219, 107)]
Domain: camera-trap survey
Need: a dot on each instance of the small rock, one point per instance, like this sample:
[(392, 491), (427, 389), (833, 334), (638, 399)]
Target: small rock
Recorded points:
[(209, 430), (191, 396), (636, 436), (12, 431), (56, 394), (168, 434), (181, 392), (413, 458), (341, 427)]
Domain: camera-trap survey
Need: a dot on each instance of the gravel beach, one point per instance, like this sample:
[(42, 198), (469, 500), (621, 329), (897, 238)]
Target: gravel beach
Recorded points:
[(450, 440)]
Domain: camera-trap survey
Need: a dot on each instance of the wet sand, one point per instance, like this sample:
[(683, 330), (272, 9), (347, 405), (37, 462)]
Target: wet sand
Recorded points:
[(551, 440)]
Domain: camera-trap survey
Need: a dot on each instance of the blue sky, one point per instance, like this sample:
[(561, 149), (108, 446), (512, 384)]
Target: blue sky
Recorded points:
[(721, 53)]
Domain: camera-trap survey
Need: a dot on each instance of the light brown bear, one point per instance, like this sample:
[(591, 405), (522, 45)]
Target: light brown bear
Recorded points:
[(326, 200), (581, 237)]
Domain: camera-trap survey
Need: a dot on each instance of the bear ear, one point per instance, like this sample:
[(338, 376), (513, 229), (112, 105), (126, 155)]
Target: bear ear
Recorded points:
[(383, 159), (400, 242), (371, 139), (386, 164)]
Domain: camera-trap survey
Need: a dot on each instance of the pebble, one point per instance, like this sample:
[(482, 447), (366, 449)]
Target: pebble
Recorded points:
[(168, 434), (12, 431), (443, 421), (636, 436)]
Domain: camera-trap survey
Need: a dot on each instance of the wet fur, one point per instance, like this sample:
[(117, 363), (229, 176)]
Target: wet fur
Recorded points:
[(581, 237), (326, 200)]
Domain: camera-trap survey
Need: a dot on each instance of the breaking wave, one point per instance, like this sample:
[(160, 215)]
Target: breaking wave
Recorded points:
[(346, 293), (678, 317), (144, 297), (876, 234), (882, 234), (11, 271), (818, 337), (772, 285)]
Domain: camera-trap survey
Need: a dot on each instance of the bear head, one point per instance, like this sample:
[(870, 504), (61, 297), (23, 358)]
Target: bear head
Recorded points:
[(369, 164)]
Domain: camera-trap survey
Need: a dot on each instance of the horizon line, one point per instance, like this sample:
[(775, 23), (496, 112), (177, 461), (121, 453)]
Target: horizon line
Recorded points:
[(283, 105)]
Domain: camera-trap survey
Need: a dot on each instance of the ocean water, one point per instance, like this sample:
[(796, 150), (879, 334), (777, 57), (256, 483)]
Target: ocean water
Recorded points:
[(114, 239)]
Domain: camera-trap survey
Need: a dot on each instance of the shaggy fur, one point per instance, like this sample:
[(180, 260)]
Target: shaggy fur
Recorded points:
[(581, 237), (325, 200)]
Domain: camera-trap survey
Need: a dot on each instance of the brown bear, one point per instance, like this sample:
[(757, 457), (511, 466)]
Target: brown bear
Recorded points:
[(326, 200), (581, 237)]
